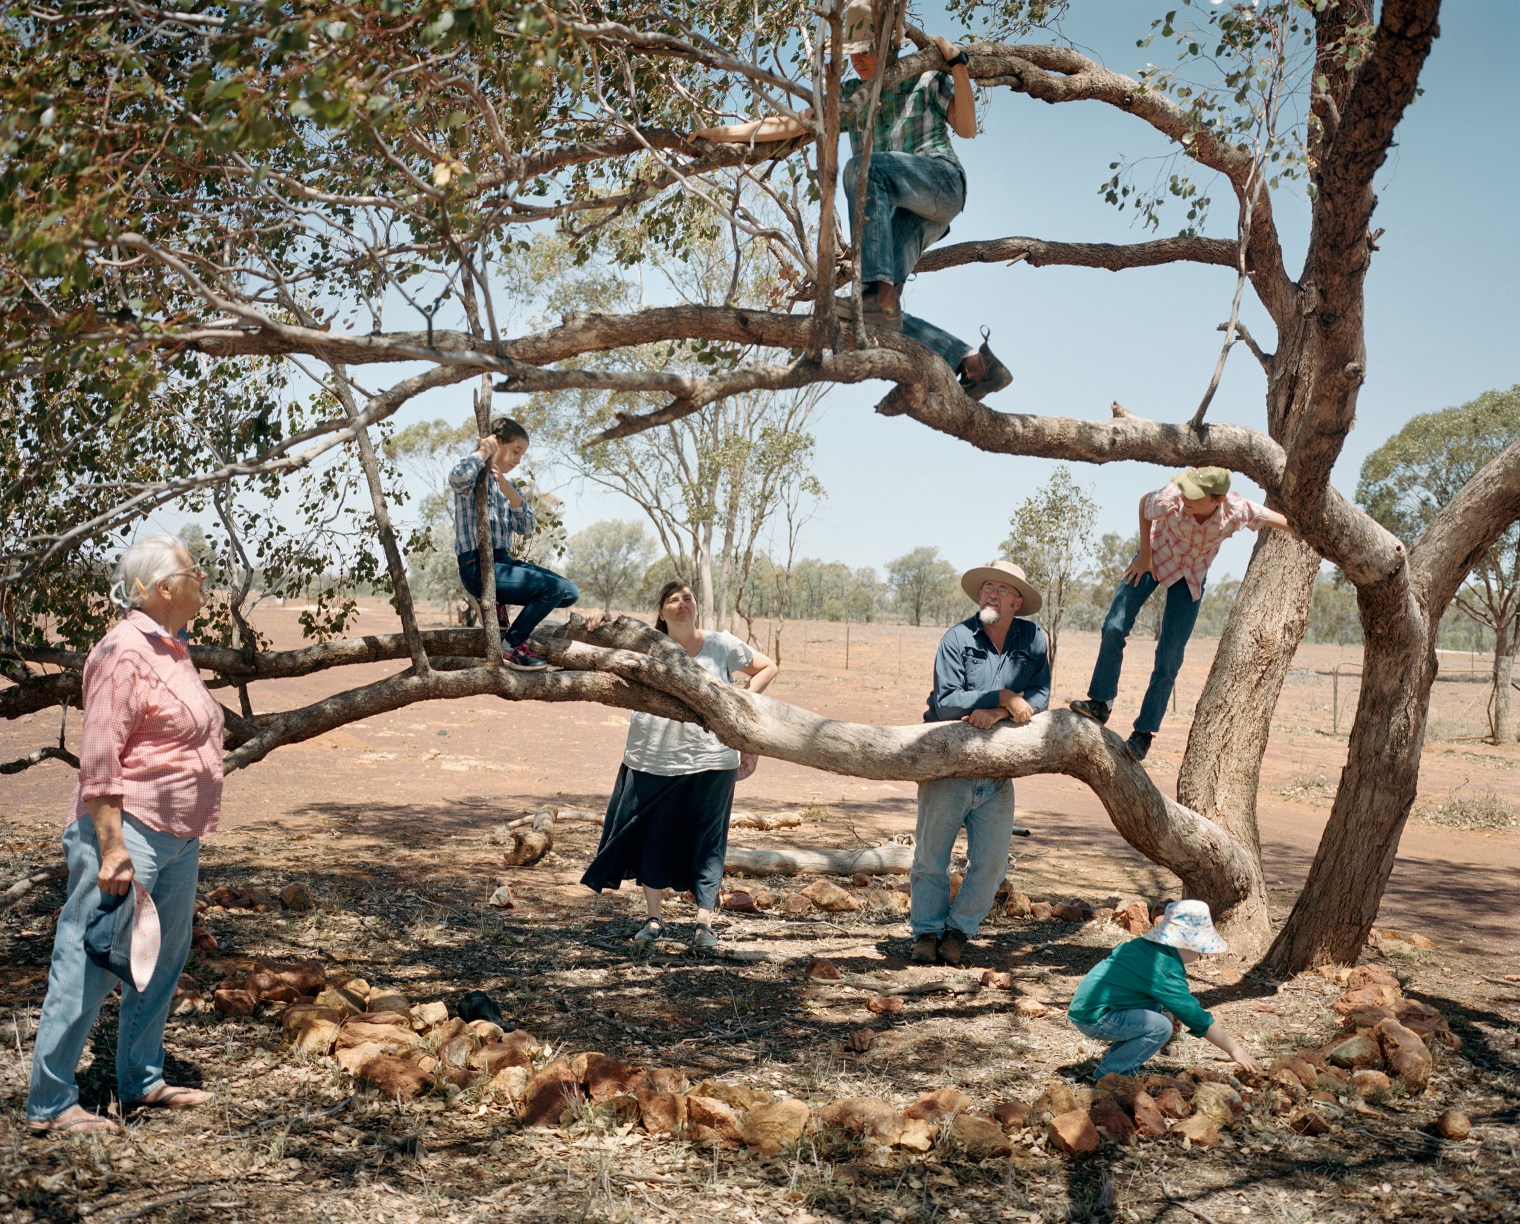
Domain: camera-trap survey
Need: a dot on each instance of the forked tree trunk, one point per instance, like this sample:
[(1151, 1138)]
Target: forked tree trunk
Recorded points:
[(1221, 769), (1504, 671), (1340, 899)]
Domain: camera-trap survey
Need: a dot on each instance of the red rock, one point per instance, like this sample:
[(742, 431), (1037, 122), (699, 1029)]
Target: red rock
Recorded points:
[(1041, 911), (1426, 1023), (1453, 1124), (1372, 975), (1309, 1122), (997, 979), (1031, 1008), (830, 898), (550, 1093), (1364, 997), (1404, 1054), (1072, 911), (661, 1112), (1074, 1133), (1120, 1087), (740, 902), (1200, 1130), (1149, 1120), (233, 1001), (395, 1078), (1218, 1101), (606, 1078), (861, 880), (1111, 1120), (668, 1079), (1304, 1072), (981, 1137), (1134, 918), (495, 1056), (1357, 1051), (391, 1038), (202, 940), (1019, 905), (1012, 1114), (774, 1125), (1370, 1085), (885, 1005), (296, 896), (941, 1103), (824, 971), (764, 898), (795, 905), (860, 1040), (1057, 1098), (709, 1120), (1172, 1103), (738, 1096), (867, 1118), (511, 1082)]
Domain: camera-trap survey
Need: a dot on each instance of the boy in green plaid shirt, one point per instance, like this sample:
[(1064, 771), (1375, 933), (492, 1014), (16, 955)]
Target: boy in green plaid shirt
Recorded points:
[(914, 184)]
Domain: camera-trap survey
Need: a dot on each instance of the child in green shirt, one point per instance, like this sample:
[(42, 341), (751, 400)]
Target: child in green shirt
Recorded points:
[(1130, 999)]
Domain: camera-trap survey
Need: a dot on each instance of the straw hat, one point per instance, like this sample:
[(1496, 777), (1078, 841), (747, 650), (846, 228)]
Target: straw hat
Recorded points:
[(1001, 571)]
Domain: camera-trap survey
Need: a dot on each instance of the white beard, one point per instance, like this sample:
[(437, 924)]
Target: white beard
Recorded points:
[(988, 616)]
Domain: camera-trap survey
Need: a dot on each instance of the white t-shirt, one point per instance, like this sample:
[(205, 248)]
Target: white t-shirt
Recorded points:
[(666, 747)]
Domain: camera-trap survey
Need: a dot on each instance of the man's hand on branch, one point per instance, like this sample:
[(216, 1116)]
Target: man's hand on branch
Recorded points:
[(983, 720), (1019, 710), (946, 48)]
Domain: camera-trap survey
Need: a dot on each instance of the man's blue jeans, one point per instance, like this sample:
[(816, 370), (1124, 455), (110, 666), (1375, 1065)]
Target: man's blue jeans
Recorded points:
[(1136, 1037), (910, 201), (1177, 621), (984, 808), (167, 867), (538, 591)]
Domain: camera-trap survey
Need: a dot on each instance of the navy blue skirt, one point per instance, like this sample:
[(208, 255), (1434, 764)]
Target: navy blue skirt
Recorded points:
[(666, 832)]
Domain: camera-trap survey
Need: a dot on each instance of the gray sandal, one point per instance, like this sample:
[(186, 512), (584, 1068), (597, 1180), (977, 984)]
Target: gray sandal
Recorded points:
[(652, 930), (703, 937)]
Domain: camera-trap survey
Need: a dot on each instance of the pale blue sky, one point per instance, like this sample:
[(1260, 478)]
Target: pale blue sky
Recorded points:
[(1441, 313)]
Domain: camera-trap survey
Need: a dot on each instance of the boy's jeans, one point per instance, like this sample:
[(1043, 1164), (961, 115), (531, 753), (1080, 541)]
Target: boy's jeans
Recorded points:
[(1136, 1036), (538, 591), (985, 807), (910, 201), (1177, 621), (167, 867)]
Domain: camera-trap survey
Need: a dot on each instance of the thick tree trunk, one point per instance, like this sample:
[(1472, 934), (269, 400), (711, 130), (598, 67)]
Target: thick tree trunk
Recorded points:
[(1340, 899), (1504, 671)]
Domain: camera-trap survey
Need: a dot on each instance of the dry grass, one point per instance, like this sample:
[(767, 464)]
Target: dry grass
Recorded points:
[(1484, 810)]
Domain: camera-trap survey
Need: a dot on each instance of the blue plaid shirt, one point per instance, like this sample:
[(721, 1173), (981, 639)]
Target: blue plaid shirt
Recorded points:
[(505, 519), (969, 673)]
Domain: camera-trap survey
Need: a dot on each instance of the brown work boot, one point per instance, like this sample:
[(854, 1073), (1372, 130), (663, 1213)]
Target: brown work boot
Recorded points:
[(951, 944), (925, 950)]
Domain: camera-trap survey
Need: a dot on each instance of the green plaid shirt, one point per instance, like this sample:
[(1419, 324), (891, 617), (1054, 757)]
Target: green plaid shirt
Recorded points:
[(913, 116)]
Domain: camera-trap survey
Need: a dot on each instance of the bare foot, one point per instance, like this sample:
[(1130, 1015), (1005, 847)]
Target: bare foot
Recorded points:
[(170, 1096), (75, 1120)]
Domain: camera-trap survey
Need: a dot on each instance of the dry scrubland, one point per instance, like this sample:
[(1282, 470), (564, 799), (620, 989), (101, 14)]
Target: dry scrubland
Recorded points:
[(391, 827)]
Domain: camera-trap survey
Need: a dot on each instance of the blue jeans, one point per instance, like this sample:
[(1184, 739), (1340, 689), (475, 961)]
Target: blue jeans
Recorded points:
[(1177, 621), (167, 866), (1135, 1038), (984, 808), (538, 591), (910, 201)]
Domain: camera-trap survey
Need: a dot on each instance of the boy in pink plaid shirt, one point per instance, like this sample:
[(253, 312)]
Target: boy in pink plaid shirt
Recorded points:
[(1182, 526)]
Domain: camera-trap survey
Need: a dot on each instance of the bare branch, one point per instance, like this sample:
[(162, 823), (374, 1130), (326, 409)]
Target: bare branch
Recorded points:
[(1114, 257)]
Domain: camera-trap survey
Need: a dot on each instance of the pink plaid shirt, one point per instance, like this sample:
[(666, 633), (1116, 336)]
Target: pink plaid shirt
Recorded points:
[(152, 732), (1181, 546)]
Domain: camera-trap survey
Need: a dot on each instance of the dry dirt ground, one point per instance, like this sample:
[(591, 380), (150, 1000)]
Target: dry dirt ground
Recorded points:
[(389, 822)]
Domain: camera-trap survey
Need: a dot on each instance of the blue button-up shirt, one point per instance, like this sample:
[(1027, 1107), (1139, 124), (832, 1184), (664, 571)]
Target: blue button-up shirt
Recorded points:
[(506, 520), (970, 673)]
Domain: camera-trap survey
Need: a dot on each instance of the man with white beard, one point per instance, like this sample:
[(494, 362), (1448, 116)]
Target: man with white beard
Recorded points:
[(990, 667)]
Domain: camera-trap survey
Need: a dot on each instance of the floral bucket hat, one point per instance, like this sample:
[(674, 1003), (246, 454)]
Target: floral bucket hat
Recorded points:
[(1187, 924)]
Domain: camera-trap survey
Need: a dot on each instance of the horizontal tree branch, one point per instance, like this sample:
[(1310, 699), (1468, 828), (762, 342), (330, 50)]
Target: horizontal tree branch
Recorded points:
[(1115, 257)]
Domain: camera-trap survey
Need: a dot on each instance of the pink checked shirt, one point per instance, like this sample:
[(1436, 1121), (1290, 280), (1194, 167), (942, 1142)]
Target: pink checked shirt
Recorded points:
[(1181, 546), (152, 732)]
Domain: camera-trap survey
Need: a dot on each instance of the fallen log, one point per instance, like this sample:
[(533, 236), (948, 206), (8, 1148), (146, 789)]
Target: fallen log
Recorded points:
[(26, 883), (888, 859)]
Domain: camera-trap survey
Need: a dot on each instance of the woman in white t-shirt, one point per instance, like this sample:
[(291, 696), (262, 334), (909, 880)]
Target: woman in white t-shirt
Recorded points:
[(667, 820)]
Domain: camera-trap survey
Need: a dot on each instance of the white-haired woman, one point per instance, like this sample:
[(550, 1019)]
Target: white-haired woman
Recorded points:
[(150, 787)]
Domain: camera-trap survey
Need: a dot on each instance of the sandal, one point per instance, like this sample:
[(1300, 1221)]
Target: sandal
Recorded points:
[(171, 1096), (703, 937), (75, 1121), (652, 930)]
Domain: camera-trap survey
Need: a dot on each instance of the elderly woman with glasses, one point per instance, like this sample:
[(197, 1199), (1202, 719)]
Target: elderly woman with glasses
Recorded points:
[(149, 788)]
